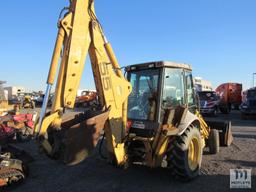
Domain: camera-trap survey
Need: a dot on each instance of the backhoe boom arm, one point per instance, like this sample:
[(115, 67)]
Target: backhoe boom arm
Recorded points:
[(80, 32)]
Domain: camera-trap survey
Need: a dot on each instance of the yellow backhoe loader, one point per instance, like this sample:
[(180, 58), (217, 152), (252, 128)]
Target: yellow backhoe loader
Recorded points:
[(150, 120), (27, 102)]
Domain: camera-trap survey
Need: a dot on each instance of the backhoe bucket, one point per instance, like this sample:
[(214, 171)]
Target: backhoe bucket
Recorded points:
[(224, 128), (81, 134)]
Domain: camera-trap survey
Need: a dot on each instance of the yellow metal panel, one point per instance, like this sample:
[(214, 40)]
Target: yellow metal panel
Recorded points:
[(113, 89), (56, 56), (47, 122), (204, 128), (78, 43)]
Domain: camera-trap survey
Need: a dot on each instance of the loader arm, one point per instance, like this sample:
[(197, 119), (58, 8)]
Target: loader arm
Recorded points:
[(80, 32)]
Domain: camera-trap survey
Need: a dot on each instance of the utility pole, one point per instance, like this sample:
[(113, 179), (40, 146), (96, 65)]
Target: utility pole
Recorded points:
[(253, 79)]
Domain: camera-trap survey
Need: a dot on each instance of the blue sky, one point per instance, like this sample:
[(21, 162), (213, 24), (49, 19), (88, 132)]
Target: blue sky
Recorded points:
[(217, 37)]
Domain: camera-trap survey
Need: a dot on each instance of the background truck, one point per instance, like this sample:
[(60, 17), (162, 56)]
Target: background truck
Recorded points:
[(209, 102), (230, 96), (248, 106), (87, 98)]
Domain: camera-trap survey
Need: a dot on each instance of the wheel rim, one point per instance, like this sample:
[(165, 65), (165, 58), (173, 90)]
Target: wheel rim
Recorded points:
[(193, 153)]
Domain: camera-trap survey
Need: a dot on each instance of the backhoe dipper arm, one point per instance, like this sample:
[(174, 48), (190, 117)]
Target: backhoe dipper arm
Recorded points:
[(80, 32)]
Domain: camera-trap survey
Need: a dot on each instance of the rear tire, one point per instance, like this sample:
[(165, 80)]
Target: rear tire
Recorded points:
[(214, 141), (225, 109), (185, 154), (243, 116)]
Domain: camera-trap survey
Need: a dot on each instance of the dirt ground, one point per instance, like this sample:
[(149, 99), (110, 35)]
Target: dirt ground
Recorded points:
[(95, 174)]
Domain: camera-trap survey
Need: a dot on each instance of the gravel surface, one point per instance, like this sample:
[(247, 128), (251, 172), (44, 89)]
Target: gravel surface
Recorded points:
[(95, 174)]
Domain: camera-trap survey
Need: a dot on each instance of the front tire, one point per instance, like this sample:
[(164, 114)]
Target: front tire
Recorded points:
[(214, 113), (185, 154)]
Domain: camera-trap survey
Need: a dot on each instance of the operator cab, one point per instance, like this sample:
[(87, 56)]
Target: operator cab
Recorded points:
[(157, 86)]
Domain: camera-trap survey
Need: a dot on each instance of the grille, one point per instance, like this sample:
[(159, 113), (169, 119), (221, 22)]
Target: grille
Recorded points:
[(202, 103), (252, 103)]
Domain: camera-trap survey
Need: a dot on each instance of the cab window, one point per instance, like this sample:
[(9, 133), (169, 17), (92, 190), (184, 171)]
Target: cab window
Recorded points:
[(173, 89), (189, 89)]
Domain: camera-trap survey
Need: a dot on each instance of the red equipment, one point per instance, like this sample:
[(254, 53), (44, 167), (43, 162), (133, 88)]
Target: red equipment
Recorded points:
[(21, 125), (230, 96)]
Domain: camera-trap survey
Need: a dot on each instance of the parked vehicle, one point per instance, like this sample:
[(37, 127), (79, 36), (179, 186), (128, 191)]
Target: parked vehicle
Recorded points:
[(230, 96), (87, 98), (209, 102), (14, 101), (248, 106), (27, 102), (39, 100)]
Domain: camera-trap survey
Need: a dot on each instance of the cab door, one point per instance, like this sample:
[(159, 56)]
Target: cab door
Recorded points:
[(190, 92)]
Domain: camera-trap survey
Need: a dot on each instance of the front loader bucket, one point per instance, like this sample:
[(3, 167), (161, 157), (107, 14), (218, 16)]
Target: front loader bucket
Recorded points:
[(224, 128), (81, 134)]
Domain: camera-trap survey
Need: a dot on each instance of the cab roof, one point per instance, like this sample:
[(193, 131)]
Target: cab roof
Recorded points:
[(157, 64)]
